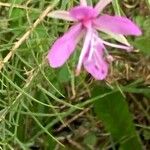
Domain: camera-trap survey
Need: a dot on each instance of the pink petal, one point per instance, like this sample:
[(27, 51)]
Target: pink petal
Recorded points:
[(97, 66), (83, 2), (84, 50), (83, 12), (102, 4), (61, 14), (117, 24), (64, 46)]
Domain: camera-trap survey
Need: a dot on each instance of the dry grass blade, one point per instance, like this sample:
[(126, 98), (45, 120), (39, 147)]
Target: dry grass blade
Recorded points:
[(16, 6), (73, 119)]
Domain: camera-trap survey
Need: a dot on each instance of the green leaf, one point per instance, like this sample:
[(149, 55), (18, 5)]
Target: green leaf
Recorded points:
[(146, 135), (90, 139), (64, 75), (143, 43), (114, 113), (16, 16)]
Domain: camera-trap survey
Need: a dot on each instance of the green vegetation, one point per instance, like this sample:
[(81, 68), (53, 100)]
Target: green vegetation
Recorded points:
[(52, 109)]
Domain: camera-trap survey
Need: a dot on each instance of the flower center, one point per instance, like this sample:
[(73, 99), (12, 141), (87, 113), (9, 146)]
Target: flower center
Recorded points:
[(84, 14), (86, 22)]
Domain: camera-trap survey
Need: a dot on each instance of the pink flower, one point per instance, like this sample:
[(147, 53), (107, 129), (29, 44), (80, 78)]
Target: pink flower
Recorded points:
[(87, 22)]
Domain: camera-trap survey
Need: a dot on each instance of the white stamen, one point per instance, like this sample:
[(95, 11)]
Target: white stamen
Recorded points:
[(115, 45)]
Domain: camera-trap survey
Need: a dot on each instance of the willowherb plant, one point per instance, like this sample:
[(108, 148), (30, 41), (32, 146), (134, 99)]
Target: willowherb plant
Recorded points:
[(87, 22)]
